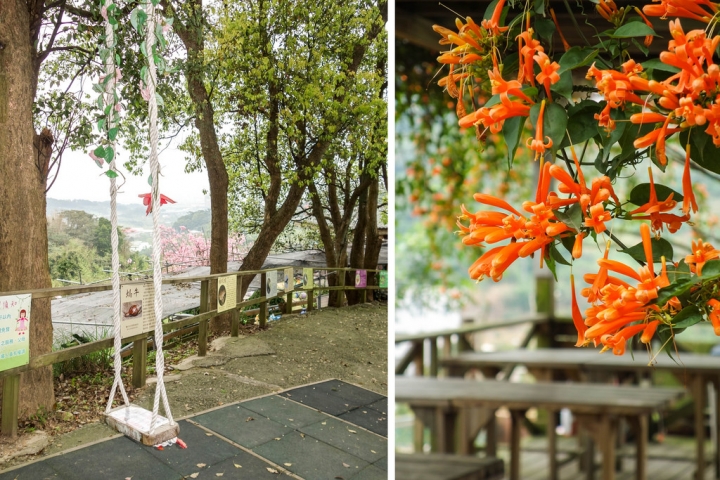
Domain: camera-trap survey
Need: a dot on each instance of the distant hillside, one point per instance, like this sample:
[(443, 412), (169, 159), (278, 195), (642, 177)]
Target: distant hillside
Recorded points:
[(129, 215)]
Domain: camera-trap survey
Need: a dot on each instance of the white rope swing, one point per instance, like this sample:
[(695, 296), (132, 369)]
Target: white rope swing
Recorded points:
[(160, 429), (110, 100)]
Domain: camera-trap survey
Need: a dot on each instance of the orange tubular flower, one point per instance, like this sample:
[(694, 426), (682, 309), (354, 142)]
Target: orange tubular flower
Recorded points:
[(548, 72), (537, 144), (493, 25), (616, 305), (598, 217), (577, 246), (714, 315), (566, 45), (688, 193), (577, 316), (648, 38), (701, 252)]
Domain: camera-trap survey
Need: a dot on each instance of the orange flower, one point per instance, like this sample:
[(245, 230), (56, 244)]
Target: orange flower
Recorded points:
[(701, 252), (577, 246), (577, 316), (566, 45), (648, 38), (649, 331), (537, 144), (598, 217), (548, 72), (688, 193), (714, 315), (493, 25)]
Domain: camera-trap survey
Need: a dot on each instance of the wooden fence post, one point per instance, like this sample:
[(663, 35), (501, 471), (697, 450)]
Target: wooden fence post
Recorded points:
[(341, 283), (263, 305), (203, 327), (10, 405), (545, 304), (289, 301), (235, 323), (139, 359), (310, 299)]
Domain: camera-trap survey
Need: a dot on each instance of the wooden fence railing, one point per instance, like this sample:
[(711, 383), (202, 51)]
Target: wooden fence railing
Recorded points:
[(11, 377), (541, 324)]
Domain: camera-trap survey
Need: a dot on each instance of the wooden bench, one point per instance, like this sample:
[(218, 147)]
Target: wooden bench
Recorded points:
[(440, 466), (697, 372), (446, 407)]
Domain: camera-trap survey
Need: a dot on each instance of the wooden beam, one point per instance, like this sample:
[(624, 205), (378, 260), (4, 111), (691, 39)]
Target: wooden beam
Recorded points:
[(139, 359)]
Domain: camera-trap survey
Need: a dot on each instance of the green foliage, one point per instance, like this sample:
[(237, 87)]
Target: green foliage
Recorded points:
[(198, 220)]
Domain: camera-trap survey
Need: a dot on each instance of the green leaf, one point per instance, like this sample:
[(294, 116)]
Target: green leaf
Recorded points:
[(149, 180), (702, 150), (161, 102), (677, 273), (572, 217), (143, 49), (112, 133), (660, 248), (109, 154), (564, 86), (101, 125), (675, 289), (576, 57), (544, 27), (687, 317), (581, 126), (711, 270), (557, 256), (539, 8), (554, 122), (111, 173), (512, 131), (98, 88), (656, 64), (100, 152), (640, 195), (633, 29), (550, 262)]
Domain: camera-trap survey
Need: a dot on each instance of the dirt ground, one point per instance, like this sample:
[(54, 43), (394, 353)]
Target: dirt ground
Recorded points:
[(350, 344)]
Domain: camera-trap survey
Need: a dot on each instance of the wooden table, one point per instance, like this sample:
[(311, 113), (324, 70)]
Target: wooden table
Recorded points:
[(598, 408), (694, 371), (441, 466)]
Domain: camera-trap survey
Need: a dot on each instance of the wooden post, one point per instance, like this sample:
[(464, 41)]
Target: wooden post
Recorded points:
[(545, 304), (263, 306), (310, 299), (418, 358), (235, 323), (289, 302), (202, 329), (698, 393), (433, 357), (516, 417), (139, 372), (552, 445), (10, 405), (341, 283)]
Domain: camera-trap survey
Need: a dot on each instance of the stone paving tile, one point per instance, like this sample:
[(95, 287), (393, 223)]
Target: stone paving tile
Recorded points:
[(242, 426), (310, 458), (343, 436), (250, 467), (368, 418), (116, 458), (201, 449), (284, 411), (34, 471), (370, 472), (320, 398)]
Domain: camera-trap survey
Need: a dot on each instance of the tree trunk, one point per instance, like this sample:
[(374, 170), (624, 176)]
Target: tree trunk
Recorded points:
[(373, 243), (192, 36), (23, 229), (357, 251)]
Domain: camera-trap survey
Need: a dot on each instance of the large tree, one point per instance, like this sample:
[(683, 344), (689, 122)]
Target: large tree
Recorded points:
[(306, 70)]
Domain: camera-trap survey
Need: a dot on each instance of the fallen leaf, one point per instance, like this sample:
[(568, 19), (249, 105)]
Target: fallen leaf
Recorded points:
[(277, 438), (200, 465), (208, 434), (323, 423), (302, 435), (194, 475), (288, 464), (219, 474), (351, 431), (272, 470), (237, 466), (373, 451), (346, 465)]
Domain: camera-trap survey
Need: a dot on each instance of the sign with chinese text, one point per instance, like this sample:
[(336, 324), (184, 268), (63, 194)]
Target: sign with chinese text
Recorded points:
[(227, 293), (14, 331), (137, 309), (307, 278), (361, 278), (383, 279)]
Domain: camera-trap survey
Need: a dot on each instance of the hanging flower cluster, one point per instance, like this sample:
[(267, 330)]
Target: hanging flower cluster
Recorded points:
[(628, 111)]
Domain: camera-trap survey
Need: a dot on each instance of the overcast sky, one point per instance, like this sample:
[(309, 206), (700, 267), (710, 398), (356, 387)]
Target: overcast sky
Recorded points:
[(81, 179)]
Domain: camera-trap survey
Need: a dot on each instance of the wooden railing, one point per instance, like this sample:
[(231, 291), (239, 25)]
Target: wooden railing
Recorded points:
[(541, 326), (11, 377)]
